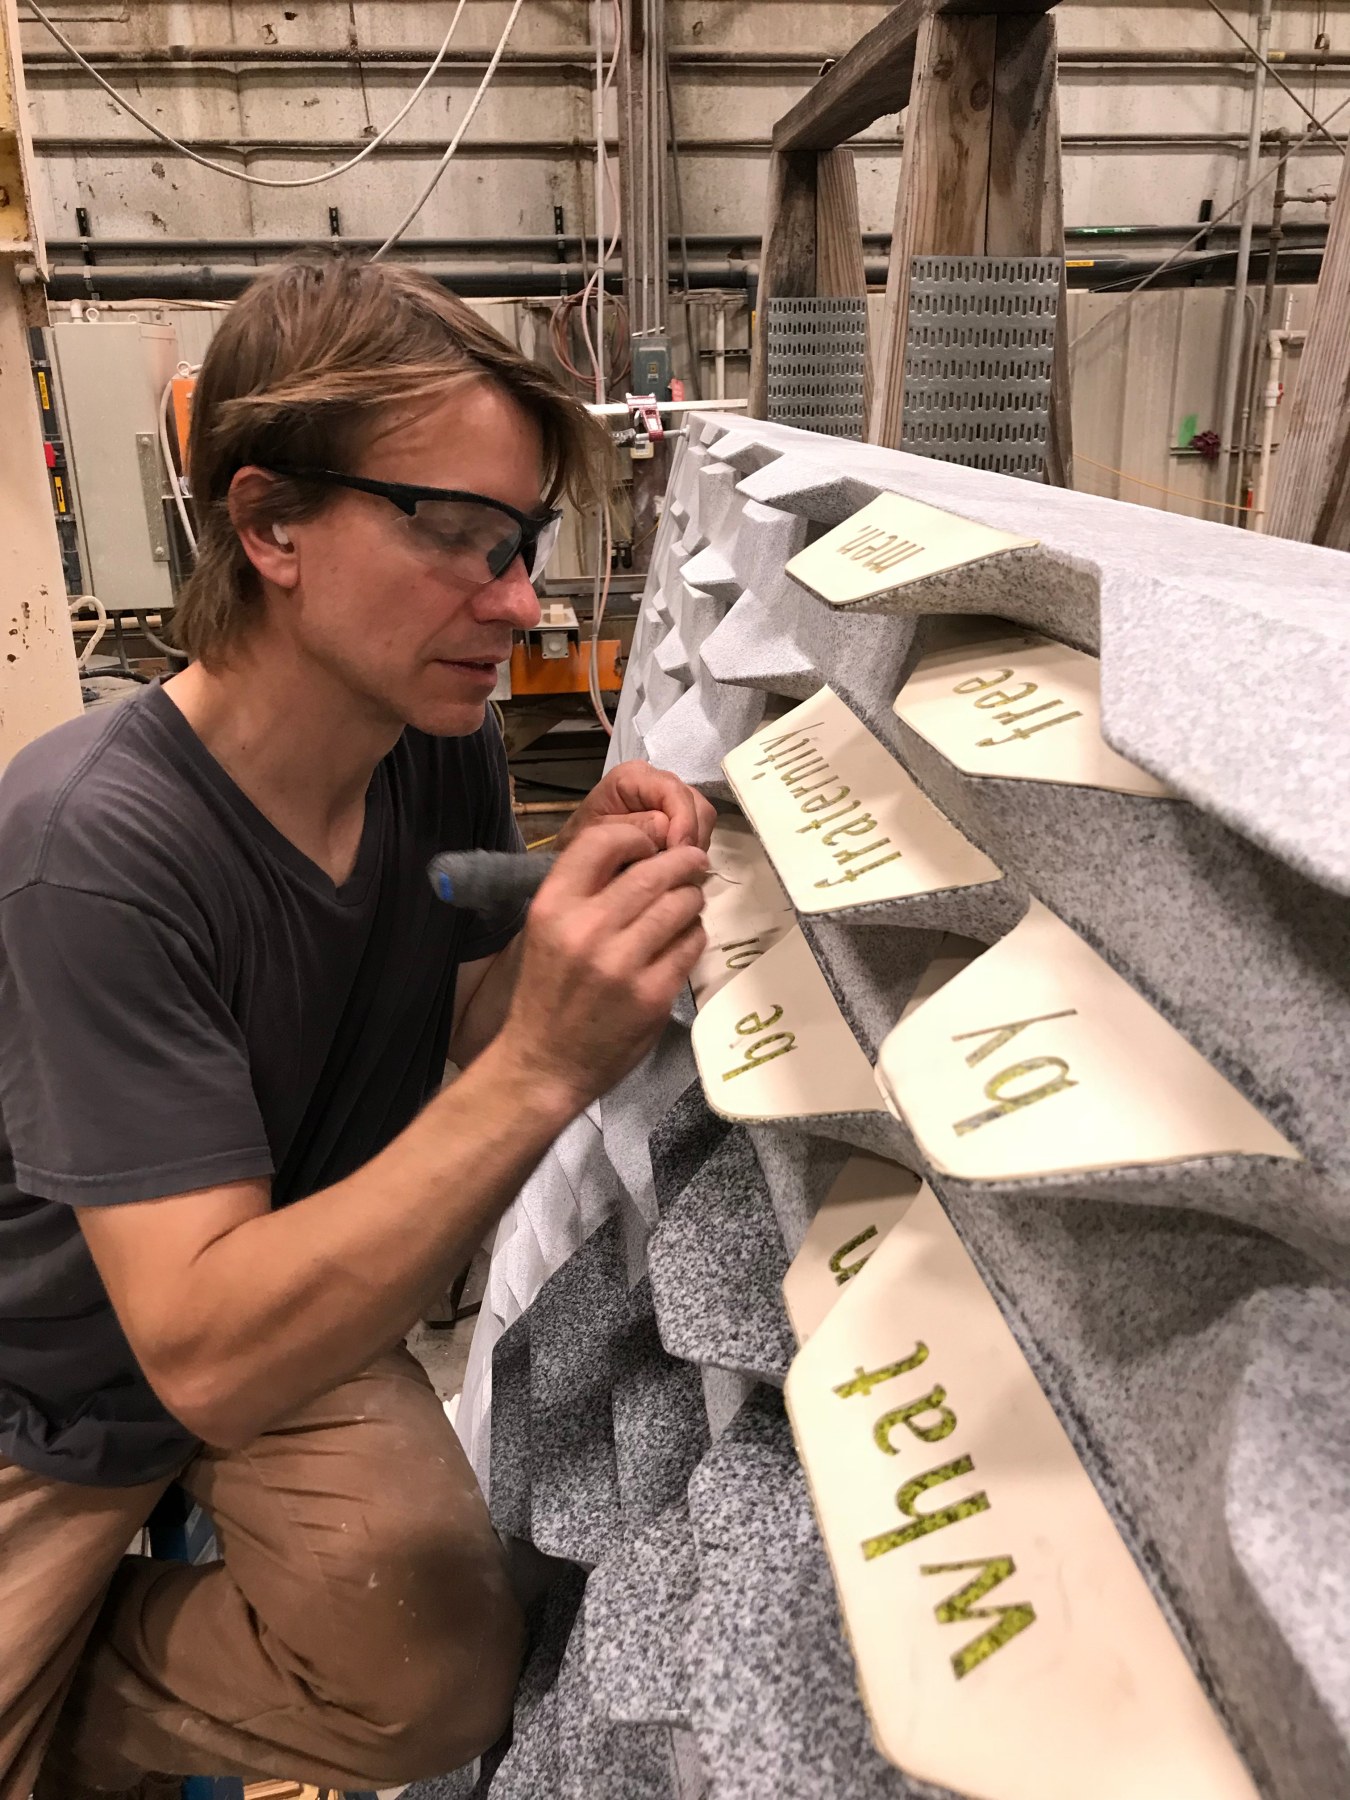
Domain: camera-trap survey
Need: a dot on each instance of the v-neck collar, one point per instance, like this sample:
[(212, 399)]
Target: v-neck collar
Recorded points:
[(354, 890)]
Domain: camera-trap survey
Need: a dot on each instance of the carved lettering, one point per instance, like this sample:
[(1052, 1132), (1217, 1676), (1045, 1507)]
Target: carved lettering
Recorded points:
[(1002, 697), (843, 1271), (977, 684), (854, 828), (855, 874), (751, 1023), (922, 1524), (993, 1090), (866, 1379), (999, 1035), (743, 952), (1012, 1619), (1026, 731), (821, 805), (942, 1427), (759, 1053)]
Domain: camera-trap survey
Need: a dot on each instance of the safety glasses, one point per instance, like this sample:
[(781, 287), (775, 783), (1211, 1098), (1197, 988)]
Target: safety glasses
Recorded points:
[(475, 538)]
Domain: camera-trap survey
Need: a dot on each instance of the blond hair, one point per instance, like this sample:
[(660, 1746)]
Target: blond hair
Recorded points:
[(306, 363)]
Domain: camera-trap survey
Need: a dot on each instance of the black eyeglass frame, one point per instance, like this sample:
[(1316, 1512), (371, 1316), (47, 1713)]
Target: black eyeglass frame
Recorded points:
[(408, 497)]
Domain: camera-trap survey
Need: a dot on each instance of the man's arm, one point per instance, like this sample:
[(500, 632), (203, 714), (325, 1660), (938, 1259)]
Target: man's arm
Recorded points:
[(237, 1314)]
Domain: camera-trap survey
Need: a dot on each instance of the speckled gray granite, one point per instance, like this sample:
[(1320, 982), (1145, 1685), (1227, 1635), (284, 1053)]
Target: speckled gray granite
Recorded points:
[(509, 1470), (461, 1784), (682, 1140), (627, 1113), (598, 1760), (710, 573), (717, 1266), (579, 1312), (637, 1607), (660, 1424), (531, 1769), (756, 646), (698, 730), (772, 1687), (1140, 1323), (871, 970), (1247, 959), (799, 1171)]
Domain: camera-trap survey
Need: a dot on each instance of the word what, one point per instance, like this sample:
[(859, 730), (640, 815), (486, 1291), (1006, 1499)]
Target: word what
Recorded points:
[(995, 1088), (992, 693), (930, 1420), (806, 774)]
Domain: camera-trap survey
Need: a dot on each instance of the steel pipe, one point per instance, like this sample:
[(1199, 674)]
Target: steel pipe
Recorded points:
[(1233, 361)]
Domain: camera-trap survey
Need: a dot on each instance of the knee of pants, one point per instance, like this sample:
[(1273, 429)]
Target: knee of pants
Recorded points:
[(447, 1695)]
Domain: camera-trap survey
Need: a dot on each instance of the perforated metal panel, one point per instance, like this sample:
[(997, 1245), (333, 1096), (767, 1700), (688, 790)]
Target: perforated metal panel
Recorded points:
[(978, 356), (817, 357)]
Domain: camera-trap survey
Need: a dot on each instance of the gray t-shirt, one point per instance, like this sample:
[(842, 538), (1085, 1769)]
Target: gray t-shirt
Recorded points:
[(185, 1000)]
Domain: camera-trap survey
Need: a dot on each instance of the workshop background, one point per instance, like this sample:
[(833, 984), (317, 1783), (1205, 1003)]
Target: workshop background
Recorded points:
[(1165, 118)]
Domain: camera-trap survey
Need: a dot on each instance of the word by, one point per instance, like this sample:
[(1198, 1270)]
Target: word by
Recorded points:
[(879, 550), (759, 1052), (931, 1420), (998, 1036), (992, 693), (796, 760)]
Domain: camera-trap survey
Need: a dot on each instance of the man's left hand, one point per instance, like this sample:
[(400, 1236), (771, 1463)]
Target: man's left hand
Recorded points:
[(656, 801)]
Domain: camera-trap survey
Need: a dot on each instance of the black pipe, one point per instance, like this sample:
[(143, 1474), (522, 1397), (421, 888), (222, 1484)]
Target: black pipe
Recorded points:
[(211, 282), (207, 248)]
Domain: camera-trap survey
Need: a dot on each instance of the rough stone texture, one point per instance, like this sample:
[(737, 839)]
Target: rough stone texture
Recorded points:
[(580, 1311), (682, 1141), (637, 1607), (755, 646), (597, 1760), (509, 1475), (871, 971), (698, 730), (773, 1693), (799, 1171), (627, 1113), (660, 1424), (717, 1267)]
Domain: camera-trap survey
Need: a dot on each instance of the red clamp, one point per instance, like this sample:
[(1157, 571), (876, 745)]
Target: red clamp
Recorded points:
[(647, 427)]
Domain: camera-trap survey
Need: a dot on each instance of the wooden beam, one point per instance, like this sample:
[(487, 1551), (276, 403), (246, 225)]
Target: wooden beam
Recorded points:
[(944, 183), (1026, 198), (1312, 476), (787, 269), (874, 77), (869, 81), (840, 270)]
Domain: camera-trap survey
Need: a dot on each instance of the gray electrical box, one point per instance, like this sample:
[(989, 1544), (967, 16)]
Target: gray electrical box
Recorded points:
[(110, 375)]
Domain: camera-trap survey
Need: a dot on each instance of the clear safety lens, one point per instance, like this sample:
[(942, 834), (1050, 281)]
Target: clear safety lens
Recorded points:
[(477, 544)]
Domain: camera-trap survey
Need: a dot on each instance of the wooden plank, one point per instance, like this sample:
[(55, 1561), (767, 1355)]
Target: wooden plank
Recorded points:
[(840, 269), (787, 268), (869, 81), (944, 183), (1026, 199), (1312, 474), (1006, 9)]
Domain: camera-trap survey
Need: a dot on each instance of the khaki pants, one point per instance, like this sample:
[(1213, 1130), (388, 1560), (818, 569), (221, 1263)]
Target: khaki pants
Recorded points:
[(361, 1630)]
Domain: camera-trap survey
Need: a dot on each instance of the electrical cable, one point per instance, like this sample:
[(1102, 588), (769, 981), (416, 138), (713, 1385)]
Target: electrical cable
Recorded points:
[(1108, 287), (1275, 74), (78, 604), (456, 140), (207, 162), (170, 463), (1138, 480)]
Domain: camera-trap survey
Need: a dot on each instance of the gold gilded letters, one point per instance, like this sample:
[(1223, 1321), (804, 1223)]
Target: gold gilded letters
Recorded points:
[(943, 1426), (854, 828), (993, 1090), (853, 874), (866, 1379), (759, 1053), (907, 1500), (1004, 698), (976, 684), (999, 1035), (1026, 731), (1011, 1619), (843, 1272), (751, 1023), (821, 805)]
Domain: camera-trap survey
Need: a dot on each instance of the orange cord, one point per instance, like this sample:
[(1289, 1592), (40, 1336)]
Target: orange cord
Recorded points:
[(1195, 499)]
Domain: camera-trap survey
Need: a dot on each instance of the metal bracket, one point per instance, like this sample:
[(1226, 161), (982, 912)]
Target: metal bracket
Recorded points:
[(152, 493)]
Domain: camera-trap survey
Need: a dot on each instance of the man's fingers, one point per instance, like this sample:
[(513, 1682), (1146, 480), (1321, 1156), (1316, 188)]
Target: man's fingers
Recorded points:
[(659, 925), (655, 824), (630, 894), (677, 964), (594, 858), (641, 788)]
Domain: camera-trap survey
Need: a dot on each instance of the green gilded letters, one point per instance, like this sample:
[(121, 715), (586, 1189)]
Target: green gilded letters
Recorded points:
[(822, 806), (742, 953), (866, 1379), (942, 1427), (853, 828), (921, 1524), (838, 1268), (993, 1090), (1011, 1619), (751, 1023)]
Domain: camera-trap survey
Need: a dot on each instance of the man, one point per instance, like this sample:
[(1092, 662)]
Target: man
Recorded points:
[(226, 998)]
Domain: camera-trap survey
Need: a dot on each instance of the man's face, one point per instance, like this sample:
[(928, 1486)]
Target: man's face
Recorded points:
[(376, 604)]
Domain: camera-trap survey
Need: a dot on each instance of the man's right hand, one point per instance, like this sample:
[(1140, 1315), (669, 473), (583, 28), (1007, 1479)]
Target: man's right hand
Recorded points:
[(611, 938)]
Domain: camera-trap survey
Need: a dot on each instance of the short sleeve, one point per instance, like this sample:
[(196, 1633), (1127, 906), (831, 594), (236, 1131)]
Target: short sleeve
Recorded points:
[(495, 829), (123, 1075)]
